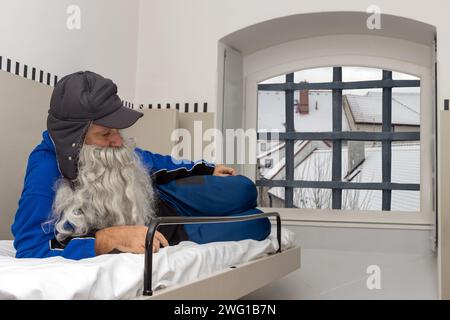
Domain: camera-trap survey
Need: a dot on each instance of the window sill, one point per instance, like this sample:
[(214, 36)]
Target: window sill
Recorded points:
[(354, 219)]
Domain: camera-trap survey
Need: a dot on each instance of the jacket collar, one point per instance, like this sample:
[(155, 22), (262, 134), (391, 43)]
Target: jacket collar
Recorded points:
[(48, 141)]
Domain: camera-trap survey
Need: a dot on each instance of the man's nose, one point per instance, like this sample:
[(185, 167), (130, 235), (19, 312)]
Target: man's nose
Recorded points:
[(115, 139)]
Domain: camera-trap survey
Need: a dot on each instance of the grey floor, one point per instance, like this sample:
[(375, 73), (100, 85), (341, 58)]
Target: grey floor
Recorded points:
[(335, 274), (342, 274)]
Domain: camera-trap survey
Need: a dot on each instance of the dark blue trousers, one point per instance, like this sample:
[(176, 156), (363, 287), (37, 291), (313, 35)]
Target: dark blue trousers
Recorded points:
[(208, 195)]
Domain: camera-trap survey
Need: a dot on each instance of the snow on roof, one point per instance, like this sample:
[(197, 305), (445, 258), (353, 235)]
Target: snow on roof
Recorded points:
[(317, 167), (368, 108), (271, 112), (365, 109), (409, 99)]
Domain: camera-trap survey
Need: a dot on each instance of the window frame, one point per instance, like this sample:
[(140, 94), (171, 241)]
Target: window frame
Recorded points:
[(360, 218)]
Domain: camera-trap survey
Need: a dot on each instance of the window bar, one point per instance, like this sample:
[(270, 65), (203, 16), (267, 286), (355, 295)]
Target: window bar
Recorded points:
[(339, 185), (289, 107), (337, 144), (344, 135), (370, 84), (386, 149)]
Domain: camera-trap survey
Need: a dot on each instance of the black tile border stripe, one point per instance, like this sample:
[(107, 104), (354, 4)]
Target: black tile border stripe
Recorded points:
[(187, 106), (50, 79), (28, 72)]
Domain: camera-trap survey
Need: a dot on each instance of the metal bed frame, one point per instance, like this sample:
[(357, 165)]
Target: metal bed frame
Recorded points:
[(157, 221)]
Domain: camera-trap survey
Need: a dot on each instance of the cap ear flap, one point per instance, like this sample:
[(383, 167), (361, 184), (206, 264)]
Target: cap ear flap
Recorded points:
[(68, 138)]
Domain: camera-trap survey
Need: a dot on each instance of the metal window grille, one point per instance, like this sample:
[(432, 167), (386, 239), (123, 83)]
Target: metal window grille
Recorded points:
[(386, 136)]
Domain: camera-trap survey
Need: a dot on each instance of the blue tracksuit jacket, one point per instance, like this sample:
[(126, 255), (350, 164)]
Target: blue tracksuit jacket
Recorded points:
[(33, 239)]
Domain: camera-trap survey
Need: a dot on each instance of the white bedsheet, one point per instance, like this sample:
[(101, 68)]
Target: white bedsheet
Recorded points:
[(120, 276)]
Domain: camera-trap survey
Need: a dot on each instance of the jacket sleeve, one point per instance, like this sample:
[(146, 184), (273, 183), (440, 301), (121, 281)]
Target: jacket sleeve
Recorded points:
[(164, 168), (33, 237)]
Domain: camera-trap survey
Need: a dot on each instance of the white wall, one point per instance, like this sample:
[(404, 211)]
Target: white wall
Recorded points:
[(35, 33), (177, 52), (179, 62)]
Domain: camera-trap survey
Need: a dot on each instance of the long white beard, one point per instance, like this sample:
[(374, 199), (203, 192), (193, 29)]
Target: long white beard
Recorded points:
[(113, 187)]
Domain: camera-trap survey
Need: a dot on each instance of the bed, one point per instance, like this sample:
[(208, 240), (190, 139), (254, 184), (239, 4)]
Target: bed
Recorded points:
[(185, 271), (238, 268)]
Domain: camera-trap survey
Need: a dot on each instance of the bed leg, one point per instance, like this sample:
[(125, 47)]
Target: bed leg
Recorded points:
[(279, 232), (148, 266)]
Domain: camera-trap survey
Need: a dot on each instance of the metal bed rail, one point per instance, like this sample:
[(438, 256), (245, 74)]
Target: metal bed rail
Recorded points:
[(155, 222)]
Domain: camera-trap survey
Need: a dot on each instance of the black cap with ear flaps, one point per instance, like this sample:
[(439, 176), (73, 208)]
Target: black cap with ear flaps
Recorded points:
[(78, 100)]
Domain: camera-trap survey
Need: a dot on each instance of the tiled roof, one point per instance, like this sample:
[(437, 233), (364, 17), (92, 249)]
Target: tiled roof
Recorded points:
[(368, 108)]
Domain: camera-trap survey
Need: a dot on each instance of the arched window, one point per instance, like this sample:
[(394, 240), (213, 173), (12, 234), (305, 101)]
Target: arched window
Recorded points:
[(332, 184)]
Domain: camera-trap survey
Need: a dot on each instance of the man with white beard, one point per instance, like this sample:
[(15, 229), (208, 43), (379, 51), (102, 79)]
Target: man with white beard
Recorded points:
[(112, 188), (89, 191)]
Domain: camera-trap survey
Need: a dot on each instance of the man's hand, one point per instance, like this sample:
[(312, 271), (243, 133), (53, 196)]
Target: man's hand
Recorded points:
[(221, 170), (126, 239)]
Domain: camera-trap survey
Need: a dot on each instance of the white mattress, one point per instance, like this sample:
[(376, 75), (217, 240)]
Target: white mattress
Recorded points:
[(120, 276)]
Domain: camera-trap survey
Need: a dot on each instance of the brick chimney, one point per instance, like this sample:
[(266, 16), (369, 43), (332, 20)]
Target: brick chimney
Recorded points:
[(303, 105)]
